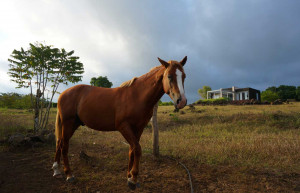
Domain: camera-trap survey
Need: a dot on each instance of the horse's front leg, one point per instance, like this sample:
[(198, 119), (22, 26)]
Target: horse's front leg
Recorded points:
[(130, 162), (135, 153)]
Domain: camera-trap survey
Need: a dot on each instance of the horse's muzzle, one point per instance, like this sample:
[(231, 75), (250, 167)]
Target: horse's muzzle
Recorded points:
[(181, 102)]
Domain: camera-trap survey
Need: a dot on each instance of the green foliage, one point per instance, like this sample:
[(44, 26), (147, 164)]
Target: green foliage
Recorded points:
[(272, 88), (203, 92), (174, 117), (269, 95), (285, 92), (41, 64), (298, 93), (18, 101), (170, 103), (212, 101), (42, 67), (101, 81), (15, 101)]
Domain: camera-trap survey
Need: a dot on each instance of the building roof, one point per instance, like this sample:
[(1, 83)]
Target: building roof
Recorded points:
[(236, 89)]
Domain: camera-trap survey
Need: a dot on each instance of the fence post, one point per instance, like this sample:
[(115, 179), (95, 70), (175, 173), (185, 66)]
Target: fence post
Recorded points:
[(155, 131)]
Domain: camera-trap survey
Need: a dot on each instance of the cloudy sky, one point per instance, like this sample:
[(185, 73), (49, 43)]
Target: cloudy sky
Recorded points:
[(253, 43)]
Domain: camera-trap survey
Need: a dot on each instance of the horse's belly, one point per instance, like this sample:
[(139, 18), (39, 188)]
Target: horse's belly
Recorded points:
[(96, 111), (98, 119), (100, 124)]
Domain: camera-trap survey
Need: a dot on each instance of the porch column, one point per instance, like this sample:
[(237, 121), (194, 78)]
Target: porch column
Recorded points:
[(233, 93)]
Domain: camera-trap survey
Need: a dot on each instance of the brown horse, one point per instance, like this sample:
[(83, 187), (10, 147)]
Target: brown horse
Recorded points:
[(127, 109)]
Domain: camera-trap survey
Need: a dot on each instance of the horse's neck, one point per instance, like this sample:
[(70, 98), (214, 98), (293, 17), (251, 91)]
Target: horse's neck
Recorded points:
[(153, 87)]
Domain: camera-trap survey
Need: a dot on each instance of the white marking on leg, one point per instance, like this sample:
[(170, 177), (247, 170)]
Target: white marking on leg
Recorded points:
[(55, 165), (131, 180), (179, 81), (56, 170), (69, 177)]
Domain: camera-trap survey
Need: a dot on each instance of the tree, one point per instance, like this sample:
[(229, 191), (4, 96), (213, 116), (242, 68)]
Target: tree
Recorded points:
[(101, 82), (15, 101), (284, 91), (43, 68), (298, 93), (272, 88), (269, 96), (203, 92), (9, 100)]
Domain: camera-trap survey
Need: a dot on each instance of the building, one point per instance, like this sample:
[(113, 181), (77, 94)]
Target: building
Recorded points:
[(235, 93)]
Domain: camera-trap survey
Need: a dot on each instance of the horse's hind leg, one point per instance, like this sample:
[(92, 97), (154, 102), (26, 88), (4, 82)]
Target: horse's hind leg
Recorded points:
[(56, 163), (69, 128), (58, 131)]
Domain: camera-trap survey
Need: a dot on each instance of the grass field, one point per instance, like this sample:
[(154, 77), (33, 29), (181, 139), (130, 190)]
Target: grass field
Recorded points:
[(226, 148), (255, 136)]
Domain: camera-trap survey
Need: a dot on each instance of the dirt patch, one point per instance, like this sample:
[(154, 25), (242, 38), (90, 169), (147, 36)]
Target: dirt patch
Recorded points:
[(105, 171), (30, 171)]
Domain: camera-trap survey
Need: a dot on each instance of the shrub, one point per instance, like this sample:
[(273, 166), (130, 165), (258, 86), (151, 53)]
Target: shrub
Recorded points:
[(269, 96), (170, 103), (219, 101)]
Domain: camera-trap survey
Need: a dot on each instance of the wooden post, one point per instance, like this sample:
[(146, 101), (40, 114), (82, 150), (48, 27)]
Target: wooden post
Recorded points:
[(155, 131)]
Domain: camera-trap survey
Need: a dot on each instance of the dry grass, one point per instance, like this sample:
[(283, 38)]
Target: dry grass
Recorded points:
[(244, 136), (226, 148), (252, 136), (13, 121), (20, 121)]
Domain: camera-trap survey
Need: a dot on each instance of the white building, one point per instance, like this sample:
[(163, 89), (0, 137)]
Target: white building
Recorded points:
[(234, 93)]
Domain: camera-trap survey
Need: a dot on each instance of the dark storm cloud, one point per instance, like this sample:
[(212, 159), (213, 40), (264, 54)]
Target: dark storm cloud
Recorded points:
[(250, 44), (241, 43), (150, 29)]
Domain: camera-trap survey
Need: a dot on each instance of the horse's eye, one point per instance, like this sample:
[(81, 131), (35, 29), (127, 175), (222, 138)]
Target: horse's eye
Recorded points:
[(170, 77)]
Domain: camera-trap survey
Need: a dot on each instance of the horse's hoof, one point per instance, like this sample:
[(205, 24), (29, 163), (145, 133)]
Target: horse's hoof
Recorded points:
[(71, 179), (131, 185), (58, 176), (138, 185)]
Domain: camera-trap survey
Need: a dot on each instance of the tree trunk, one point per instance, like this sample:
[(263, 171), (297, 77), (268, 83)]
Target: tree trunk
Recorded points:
[(36, 118), (155, 131), (36, 111)]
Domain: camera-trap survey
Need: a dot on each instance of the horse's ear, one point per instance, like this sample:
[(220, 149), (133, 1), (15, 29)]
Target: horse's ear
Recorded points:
[(164, 63), (183, 61)]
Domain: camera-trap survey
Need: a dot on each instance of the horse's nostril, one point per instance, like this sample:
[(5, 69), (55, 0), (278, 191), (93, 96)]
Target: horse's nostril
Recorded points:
[(178, 100)]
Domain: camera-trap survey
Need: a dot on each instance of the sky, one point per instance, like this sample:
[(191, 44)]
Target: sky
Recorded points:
[(254, 43)]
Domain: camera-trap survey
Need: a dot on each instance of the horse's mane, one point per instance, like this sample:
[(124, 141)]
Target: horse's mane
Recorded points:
[(153, 70), (128, 83)]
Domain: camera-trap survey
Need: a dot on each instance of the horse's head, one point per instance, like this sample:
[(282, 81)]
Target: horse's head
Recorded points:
[(173, 81)]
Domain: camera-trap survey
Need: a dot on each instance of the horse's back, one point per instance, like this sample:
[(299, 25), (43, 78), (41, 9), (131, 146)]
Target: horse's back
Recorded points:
[(73, 94), (94, 106)]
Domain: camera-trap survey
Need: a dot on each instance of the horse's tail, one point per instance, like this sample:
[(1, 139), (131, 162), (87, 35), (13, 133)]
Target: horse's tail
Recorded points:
[(58, 126)]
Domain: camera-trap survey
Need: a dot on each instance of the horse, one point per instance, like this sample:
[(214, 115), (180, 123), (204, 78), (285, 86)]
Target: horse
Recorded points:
[(126, 109)]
